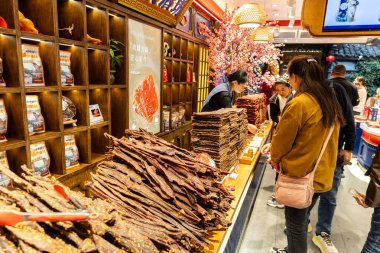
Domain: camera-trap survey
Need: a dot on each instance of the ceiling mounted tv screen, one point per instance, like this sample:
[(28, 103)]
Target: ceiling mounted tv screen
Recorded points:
[(352, 15)]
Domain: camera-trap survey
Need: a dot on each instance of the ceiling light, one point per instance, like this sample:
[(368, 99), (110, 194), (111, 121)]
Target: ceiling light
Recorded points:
[(274, 5), (262, 34), (250, 15)]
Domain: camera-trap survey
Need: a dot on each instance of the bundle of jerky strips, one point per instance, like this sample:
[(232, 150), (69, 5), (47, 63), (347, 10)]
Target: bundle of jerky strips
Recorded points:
[(221, 134), (255, 105), (111, 232), (163, 189)]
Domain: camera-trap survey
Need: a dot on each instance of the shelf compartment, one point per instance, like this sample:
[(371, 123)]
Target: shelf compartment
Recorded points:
[(99, 124), (176, 74), (41, 13), (48, 135), (119, 111), (71, 13), (16, 158), (169, 69), (71, 130), (189, 92), (7, 12), (117, 24), (168, 39), (77, 63), (166, 94), (101, 97), (183, 54), (11, 144), (175, 94), (183, 71), (182, 92), (76, 87), (95, 157), (55, 149), (81, 141), (13, 105), (97, 23), (50, 109), (176, 47), (190, 51), (4, 90), (8, 53), (99, 142), (80, 100), (98, 69), (49, 60)]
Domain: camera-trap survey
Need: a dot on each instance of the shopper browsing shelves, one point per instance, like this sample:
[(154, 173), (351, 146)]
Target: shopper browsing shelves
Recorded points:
[(222, 95), (297, 143), (362, 90), (328, 202), (372, 199), (276, 105)]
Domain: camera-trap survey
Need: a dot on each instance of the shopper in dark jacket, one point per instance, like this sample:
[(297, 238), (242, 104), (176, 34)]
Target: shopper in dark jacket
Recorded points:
[(327, 203), (222, 95), (338, 75), (372, 199)]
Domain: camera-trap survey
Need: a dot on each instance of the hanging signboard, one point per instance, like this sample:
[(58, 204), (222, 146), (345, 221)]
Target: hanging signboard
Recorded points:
[(144, 76), (167, 11)]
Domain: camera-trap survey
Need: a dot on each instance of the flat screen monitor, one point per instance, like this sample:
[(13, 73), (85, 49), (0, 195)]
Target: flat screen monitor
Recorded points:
[(352, 15)]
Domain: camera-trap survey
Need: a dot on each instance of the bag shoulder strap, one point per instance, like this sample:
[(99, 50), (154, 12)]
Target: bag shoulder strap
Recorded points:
[(323, 150)]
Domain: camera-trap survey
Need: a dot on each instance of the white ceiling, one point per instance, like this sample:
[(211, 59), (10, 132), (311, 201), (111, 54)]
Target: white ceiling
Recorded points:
[(275, 9), (280, 10)]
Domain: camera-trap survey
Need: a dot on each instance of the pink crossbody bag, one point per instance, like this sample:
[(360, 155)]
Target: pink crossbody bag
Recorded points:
[(298, 192)]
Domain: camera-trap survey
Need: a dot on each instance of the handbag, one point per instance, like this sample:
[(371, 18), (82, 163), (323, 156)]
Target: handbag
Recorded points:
[(298, 192), (373, 190)]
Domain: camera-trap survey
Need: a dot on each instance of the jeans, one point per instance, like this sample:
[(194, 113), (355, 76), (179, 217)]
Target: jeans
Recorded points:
[(327, 204), (296, 227), (372, 245)]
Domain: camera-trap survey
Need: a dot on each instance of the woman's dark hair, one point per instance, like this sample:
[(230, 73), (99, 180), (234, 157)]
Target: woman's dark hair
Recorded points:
[(240, 76), (314, 83), (361, 79)]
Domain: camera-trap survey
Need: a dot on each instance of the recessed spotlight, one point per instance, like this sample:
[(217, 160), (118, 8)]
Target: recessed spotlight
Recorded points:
[(277, 14), (274, 5)]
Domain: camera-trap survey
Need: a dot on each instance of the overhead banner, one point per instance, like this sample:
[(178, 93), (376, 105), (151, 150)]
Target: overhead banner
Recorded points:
[(144, 76), (167, 11)]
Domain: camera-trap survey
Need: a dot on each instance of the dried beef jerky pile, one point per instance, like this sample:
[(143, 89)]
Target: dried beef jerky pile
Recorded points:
[(163, 189), (243, 131), (110, 233), (256, 108), (211, 134), (221, 134)]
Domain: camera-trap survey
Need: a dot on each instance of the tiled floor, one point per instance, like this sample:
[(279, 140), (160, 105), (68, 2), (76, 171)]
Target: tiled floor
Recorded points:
[(350, 225)]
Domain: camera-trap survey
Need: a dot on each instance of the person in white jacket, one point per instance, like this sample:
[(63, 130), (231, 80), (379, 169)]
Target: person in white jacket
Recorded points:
[(362, 90)]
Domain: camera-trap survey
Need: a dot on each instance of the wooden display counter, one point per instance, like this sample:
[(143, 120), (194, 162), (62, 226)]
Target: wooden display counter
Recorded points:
[(246, 185)]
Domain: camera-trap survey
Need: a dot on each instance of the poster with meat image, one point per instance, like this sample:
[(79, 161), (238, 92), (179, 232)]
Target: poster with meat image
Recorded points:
[(144, 76)]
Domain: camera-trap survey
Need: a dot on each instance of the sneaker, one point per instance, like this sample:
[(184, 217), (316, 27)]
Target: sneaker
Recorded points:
[(342, 175), (278, 250), (324, 243), (273, 203), (309, 228)]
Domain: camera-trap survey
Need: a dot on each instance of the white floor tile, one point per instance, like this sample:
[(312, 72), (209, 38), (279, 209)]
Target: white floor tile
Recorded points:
[(350, 226)]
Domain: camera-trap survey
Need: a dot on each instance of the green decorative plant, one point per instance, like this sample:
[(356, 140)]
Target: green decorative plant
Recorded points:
[(370, 70), (116, 57)]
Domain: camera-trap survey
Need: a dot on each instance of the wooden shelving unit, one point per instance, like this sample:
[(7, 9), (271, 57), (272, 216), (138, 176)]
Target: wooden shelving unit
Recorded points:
[(89, 66), (63, 25), (203, 77), (178, 91)]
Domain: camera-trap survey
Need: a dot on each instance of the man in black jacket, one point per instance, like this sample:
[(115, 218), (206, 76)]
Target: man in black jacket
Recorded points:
[(327, 202), (338, 75)]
